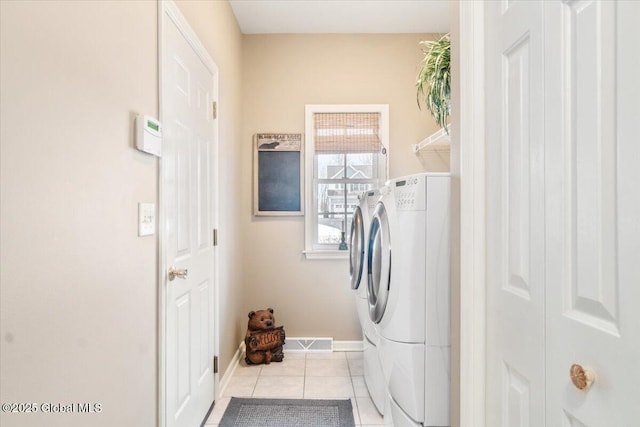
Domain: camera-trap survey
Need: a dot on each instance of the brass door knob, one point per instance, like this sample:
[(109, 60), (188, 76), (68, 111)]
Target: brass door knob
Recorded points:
[(180, 273), (580, 377)]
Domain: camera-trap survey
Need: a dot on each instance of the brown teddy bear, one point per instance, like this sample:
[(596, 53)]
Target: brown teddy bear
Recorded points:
[(263, 340)]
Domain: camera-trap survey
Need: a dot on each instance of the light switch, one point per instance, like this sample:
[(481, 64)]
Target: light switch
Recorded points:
[(146, 219)]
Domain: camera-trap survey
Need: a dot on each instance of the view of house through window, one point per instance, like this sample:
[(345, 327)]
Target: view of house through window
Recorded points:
[(348, 159), (341, 178)]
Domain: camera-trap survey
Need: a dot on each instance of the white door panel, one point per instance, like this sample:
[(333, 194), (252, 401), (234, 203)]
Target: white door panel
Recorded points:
[(563, 222), (594, 267), (515, 215), (188, 88), (588, 48)]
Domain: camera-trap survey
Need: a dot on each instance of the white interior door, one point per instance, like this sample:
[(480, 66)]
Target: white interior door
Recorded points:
[(515, 214), (188, 174), (563, 228), (593, 211)]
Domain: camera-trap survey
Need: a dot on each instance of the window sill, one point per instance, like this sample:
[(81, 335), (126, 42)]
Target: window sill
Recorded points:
[(326, 254)]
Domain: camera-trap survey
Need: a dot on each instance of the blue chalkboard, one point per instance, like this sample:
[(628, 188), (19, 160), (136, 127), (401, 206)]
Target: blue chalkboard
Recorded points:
[(279, 181)]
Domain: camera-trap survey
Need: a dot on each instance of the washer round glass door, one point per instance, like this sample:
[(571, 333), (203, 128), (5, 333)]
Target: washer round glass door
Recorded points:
[(356, 248), (379, 263)]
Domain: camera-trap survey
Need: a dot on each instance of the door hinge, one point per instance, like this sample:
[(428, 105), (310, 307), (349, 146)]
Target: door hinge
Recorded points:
[(214, 110), (215, 237), (215, 364)]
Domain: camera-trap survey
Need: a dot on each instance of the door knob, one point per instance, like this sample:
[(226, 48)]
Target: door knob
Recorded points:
[(580, 377), (180, 273)]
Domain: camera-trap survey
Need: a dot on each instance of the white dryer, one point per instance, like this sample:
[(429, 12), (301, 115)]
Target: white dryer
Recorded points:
[(361, 220), (408, 295), (358, 250)]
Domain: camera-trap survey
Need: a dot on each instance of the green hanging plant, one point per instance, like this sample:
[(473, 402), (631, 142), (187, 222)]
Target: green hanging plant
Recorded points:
[(434, 79)]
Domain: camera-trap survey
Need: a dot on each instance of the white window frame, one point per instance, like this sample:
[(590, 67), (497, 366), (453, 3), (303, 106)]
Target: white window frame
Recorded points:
[(311, 217)]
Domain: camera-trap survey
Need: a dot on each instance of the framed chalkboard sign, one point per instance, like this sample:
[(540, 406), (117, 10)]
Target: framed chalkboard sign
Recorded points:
[(277, 174)]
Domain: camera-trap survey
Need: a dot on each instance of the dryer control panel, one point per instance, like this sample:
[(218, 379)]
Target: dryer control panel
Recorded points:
[(410, 193)]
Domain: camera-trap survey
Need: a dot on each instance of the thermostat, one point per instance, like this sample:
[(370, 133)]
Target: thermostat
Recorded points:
[(148, 135)]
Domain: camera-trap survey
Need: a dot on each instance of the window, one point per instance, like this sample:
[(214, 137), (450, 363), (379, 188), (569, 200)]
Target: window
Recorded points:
[(346, 153)]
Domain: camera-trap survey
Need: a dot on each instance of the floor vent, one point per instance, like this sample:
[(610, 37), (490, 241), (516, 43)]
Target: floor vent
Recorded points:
[(298, 345)]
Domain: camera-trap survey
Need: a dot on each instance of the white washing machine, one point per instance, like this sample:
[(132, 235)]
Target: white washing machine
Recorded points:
[(361, 220), (408, 296)]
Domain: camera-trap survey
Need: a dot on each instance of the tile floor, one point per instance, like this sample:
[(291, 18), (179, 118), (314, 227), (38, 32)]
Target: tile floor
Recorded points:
[(337, 375)]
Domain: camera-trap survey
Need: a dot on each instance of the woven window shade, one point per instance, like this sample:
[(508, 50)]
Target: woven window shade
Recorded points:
[(347, 132)]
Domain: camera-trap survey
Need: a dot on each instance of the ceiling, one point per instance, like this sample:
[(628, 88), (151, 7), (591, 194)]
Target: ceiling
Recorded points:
[(341, 16)]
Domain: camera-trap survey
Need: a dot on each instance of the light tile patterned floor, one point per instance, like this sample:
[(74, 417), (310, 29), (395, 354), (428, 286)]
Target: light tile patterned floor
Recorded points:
[(337, 375)]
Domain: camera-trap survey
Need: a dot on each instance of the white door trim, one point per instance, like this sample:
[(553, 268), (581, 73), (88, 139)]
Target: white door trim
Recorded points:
[(167, 9), (470, 130)]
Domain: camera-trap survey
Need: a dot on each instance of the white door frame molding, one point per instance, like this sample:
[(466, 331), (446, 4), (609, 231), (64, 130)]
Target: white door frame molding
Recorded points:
[(167, 9), (469, 132)]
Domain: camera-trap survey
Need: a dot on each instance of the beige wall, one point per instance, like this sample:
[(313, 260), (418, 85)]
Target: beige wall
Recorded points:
[(78, 287), (281, 74), (79, 299)]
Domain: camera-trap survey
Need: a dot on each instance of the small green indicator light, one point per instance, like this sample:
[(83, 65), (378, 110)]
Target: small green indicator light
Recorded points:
[(152, 125)]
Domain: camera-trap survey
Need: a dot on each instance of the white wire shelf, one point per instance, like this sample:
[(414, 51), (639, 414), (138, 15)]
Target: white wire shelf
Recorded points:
[(438, 141)]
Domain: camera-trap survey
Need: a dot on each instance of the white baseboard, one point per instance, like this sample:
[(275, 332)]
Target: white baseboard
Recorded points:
[(348, 346), (228, 373)]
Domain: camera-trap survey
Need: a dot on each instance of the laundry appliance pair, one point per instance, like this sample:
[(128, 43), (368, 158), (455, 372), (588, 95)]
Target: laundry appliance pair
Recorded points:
[(358, 247), (407, 271)]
